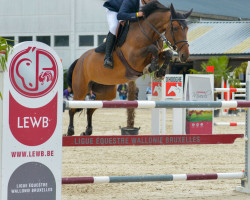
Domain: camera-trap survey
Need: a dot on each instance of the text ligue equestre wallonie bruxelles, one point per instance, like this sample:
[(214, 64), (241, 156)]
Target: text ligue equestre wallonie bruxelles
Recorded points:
[(151, 140)]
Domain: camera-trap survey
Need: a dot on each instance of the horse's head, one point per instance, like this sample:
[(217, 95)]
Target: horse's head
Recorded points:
[(176, 33)]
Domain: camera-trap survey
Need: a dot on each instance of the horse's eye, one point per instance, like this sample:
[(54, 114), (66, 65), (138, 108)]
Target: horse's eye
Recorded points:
[(175, 28)]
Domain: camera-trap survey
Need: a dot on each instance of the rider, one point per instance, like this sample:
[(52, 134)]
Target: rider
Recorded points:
[(119, 10)]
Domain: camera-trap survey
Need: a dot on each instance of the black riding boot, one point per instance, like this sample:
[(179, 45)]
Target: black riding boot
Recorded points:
[(110, 42)]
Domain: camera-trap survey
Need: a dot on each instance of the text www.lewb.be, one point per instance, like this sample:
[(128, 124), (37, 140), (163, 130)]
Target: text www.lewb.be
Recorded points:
[(25, 154)]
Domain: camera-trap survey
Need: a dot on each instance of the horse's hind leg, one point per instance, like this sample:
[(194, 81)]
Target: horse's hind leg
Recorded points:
[(103, 92), (71, 130), (79, 94), (72, 112), (88, 130)]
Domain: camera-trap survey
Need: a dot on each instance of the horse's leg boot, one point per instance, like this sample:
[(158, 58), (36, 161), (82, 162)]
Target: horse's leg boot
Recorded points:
[(154, 64), (108, 60)]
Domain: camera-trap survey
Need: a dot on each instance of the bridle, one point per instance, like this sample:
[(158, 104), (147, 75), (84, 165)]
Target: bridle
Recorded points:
[(162, 35), (177, 42)]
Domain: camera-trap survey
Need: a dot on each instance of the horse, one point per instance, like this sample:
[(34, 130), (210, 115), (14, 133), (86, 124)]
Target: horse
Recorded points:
[(144, 41)]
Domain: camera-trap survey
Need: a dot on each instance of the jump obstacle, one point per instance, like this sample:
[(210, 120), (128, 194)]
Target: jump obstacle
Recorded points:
[(229, 123), (152, 178), (148, 140), (156, 104), (69, 141), (229, 89)]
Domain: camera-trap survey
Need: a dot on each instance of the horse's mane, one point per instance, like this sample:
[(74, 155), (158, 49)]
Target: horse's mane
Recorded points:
[(155, 5), (152, 7)]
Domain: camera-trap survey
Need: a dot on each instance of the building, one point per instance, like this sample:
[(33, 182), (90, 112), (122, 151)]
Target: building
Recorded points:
[(71, 27), (213, 10)]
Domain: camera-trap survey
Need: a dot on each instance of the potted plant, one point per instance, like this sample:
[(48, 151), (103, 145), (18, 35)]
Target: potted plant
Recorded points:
[(130, 129), (5, 49), (221, 71)]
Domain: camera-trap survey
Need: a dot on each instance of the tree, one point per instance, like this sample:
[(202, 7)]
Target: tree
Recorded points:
[(221, 70)]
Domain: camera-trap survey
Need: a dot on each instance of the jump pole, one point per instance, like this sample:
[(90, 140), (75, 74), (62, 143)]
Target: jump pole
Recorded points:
[(229, 123), (229, 89), (156, 104), (152, 178)]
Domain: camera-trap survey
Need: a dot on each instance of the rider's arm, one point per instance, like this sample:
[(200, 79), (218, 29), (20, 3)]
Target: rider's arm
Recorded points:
[(129, 10)]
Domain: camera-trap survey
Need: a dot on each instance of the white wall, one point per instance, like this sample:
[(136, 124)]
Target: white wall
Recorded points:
[(55, 17), (33, 16)]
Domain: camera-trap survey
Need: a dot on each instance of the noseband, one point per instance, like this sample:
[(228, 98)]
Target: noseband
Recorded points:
[(162, 36)]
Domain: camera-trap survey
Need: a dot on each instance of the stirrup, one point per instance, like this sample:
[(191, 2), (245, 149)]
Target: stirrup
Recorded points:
[(108, 63)]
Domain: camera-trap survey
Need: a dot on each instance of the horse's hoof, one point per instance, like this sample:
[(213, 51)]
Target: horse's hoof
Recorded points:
[(66, 134), (70, 131), (158, 78), (88, 131), (82, 134)]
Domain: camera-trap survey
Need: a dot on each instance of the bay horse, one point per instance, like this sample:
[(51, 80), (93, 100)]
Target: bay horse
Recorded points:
[(144, 41)]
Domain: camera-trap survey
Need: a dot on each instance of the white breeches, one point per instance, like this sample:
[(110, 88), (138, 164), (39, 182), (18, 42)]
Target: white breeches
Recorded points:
[(112, 21)]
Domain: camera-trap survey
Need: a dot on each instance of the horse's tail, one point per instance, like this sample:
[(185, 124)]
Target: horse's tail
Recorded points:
[(70, 73)]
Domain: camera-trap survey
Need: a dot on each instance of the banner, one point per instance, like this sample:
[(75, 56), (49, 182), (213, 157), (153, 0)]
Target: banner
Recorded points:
[(199, 88)]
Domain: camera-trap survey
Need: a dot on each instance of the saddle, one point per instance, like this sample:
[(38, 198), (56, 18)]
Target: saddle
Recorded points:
[(121, 36), (122, 32)]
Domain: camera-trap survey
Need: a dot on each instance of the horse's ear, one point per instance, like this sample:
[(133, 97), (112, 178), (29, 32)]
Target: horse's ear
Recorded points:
[(186, 15), (173, 12)]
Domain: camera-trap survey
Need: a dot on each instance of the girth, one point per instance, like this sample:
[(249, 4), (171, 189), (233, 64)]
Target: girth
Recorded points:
[(131, 74)]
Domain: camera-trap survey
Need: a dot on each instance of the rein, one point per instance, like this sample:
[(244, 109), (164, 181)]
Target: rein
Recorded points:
[(162, 36)]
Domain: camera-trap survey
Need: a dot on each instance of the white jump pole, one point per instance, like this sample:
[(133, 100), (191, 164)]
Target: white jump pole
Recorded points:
[(229, 123), (229, 89)]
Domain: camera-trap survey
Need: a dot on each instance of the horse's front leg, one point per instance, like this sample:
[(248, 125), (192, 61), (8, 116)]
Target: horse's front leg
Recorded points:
[(103, 92), (154, 66), (89, 129), (165, 57)]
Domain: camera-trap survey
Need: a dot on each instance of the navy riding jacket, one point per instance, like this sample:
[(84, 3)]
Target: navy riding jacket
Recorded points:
[(126, 9)]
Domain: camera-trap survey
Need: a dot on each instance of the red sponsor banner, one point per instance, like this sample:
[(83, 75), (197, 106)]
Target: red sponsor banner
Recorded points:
[(149, 140), (173, 89), (32, 126), (200, 128), (156, 89)]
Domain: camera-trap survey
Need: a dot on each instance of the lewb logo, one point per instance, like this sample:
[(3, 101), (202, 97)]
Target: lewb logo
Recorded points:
[(32, 126), (33, 72)]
